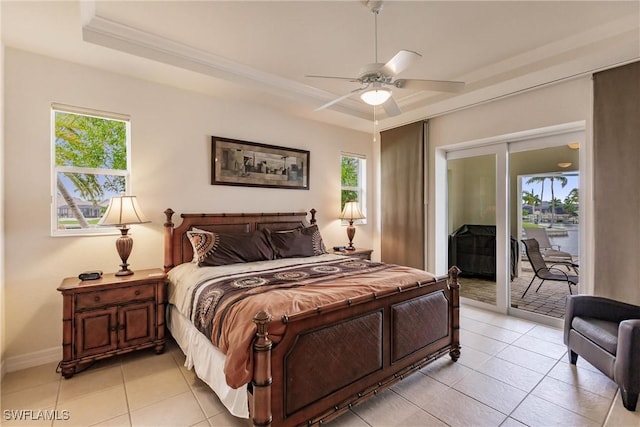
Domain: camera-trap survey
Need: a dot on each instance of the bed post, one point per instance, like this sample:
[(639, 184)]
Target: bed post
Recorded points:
[(168, 240), (313, 216), (262, 372), (455, 312)]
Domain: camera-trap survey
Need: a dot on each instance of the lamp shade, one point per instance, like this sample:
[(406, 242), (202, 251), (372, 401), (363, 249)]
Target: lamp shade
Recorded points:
[(376, 96), (123, 210), (351, 211)]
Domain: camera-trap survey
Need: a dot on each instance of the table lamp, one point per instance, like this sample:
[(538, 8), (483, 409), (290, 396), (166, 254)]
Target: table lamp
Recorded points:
[(351, 212), (122, 211)]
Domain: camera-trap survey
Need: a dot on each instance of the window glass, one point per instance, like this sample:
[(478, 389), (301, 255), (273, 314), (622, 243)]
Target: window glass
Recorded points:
[(91, 164), (353, 179)]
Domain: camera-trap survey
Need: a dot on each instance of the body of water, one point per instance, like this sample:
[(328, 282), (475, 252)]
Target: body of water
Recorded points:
[(569, 243)]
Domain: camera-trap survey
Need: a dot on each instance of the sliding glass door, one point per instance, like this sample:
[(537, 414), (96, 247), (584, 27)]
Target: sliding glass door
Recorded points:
[(495, 193)]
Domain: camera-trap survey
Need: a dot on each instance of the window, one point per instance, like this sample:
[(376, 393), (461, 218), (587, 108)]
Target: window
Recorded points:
[(353, 179), (91, 164)]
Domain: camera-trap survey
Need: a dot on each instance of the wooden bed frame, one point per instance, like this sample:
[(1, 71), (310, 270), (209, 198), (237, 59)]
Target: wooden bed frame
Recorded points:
[(336, 356)]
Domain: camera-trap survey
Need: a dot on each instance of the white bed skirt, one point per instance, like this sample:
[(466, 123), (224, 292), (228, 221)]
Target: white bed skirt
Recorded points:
[(208, 362)]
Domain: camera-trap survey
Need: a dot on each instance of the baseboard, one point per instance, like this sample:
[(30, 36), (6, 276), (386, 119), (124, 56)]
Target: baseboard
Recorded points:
[(30, 360)]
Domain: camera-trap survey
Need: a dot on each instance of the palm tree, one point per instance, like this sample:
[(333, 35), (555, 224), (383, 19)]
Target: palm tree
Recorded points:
[(570, 203), (530, 198), (541, 180), (563, 182)]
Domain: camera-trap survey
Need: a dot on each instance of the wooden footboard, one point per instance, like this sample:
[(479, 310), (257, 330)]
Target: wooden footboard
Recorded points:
[(337, 356)]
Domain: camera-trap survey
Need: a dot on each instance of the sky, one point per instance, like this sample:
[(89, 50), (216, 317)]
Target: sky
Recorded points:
[(560, 192)]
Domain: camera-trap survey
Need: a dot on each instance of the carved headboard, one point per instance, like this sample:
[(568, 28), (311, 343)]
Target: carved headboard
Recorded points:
[(178, 249)]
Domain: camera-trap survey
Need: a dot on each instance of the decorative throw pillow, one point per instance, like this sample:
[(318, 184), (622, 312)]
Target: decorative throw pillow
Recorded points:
[(201, 242), (214, 249), (301, 242)]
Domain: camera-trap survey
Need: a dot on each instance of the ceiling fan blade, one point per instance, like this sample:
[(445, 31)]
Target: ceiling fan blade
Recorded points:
[(436, 85), (391, 107), (345, 96), (351, 79), (400, 62)]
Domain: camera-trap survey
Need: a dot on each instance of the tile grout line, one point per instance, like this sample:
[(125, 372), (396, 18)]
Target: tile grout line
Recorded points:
[(55, 406), (126, 395)]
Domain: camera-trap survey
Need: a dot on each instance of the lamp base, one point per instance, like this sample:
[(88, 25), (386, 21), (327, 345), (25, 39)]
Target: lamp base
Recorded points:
[(124, 244), (351, 233), (124, 272)]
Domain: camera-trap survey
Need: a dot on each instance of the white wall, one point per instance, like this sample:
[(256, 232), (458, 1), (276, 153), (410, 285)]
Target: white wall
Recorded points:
[(171, 131)]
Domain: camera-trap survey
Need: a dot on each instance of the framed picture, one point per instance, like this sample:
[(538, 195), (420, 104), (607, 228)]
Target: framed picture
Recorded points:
[(244, 163)]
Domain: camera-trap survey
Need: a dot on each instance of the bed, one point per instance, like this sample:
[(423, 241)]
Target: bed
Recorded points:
[(345, 329)]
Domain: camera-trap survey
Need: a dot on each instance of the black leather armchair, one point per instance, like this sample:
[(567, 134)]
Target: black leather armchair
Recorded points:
[(606, 333)]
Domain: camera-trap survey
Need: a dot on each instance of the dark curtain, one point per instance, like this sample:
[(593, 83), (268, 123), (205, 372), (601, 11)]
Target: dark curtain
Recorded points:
[(402, 167), (616, 135)]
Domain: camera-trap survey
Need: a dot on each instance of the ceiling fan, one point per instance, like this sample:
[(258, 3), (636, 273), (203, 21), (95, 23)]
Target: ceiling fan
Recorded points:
[(375, 78)]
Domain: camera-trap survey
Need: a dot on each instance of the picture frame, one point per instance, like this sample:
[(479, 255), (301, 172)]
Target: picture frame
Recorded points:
[(251, 164)]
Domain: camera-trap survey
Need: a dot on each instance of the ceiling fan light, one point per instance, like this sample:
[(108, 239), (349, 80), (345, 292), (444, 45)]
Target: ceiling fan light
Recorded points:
[(376, 96)]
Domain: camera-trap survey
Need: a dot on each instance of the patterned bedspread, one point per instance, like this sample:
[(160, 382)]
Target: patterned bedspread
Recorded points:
[(221, 301)]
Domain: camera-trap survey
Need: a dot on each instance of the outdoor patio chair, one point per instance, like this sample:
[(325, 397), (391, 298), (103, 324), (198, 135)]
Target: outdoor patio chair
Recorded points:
[(550, 252), (544, 272)]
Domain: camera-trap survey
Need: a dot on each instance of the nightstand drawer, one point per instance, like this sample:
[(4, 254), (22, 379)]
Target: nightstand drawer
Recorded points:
[(114, 296), (357, 253)]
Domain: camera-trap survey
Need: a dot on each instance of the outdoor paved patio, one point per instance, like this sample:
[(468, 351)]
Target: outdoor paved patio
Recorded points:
[(549, 300)]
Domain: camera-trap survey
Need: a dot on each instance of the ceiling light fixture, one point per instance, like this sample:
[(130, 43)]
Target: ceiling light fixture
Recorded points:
[(376, 96), (564, 164), (574, 145)]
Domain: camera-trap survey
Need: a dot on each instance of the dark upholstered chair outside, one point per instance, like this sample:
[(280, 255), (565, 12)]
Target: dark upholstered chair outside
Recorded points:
[(606, 333), (542, 271)]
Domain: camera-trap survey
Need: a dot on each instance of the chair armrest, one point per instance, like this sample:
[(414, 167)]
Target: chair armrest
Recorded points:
[(627, 369), (597, 308)]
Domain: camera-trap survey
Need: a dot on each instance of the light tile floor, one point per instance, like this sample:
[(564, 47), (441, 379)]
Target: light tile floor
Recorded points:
[(512, 372)]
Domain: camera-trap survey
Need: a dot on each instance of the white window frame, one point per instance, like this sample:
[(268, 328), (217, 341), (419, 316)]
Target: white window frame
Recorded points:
[(361, 187), (99, 230)]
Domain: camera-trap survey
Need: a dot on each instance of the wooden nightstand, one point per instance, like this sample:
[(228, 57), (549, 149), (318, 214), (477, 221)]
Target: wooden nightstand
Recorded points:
[(111, 315), (358, 253)]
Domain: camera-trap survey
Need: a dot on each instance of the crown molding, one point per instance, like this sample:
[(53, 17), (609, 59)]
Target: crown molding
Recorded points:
[(125, 38)]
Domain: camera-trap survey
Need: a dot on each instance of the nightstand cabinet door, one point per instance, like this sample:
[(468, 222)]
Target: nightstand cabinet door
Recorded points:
[(96, 332), (136, 324)]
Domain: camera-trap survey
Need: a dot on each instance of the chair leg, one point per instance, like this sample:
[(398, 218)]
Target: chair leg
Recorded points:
[(526, 290), (569, 284), (540, 285), (573, 357), (629, 400)]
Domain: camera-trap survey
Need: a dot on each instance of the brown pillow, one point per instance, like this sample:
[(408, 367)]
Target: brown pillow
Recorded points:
[(301, 242), (214, 249)]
